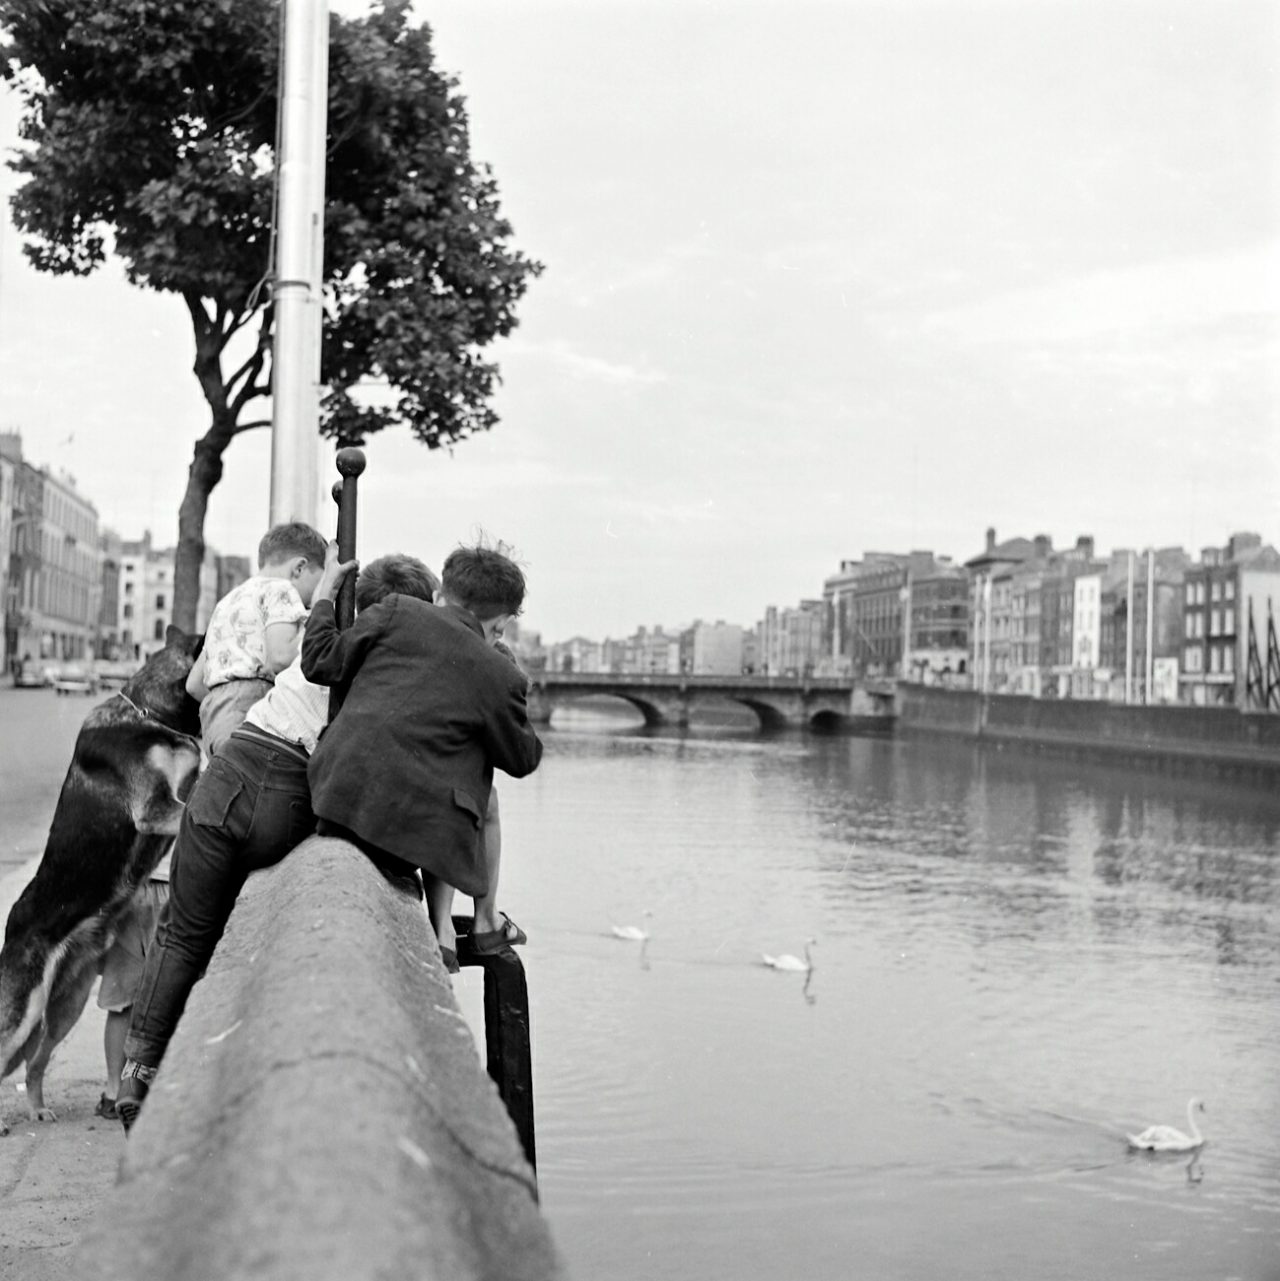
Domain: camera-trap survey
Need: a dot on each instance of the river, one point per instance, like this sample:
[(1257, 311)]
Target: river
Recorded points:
[(1017, 960)]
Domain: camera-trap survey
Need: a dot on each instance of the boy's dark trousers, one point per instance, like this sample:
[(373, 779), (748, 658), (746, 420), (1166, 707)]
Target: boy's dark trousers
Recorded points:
[(246, 811)]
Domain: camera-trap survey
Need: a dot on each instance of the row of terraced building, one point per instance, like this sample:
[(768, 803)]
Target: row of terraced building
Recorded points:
[(1021, 617)]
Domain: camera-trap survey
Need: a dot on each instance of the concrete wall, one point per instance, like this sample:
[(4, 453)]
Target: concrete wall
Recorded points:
[(1206, 734), (322, 1113)]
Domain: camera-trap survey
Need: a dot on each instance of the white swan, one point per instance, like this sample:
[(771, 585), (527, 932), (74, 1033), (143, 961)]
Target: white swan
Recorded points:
[(1164, 1138), (791, 963), (632, 933)]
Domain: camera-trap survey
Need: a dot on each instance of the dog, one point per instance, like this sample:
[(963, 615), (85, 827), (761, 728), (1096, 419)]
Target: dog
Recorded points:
[(135, 760)]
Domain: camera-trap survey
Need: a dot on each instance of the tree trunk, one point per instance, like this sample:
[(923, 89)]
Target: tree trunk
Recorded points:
[(203, 474)]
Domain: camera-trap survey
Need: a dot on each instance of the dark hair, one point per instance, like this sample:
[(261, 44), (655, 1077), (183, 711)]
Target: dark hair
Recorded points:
[(395, 575), (283, 542), (484, 581)]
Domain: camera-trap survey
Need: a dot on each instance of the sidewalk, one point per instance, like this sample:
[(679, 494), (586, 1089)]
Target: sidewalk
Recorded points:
[(53, 1175)]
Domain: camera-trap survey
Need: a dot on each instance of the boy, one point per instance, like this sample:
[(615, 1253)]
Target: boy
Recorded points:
[(246, 811), (429, 708), (254, 630)]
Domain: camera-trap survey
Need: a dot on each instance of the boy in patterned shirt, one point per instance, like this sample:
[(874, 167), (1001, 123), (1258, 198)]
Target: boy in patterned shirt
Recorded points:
[(255, 630)]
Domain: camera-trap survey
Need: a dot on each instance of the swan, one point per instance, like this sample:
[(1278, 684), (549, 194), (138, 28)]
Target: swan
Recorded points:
[(632, 933), (791, 963), (1164, 1138)]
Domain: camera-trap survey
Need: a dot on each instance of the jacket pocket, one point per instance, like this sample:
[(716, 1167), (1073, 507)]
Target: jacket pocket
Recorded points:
[(468, 804), (213, 796)]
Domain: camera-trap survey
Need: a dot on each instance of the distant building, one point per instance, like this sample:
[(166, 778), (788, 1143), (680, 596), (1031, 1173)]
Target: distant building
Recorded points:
[(1231, 599), (8, 488), (112, 548), (576, 655), (232, 571), (654, 652), (717, 649), (54, 585), (146, 594), (793, 640)]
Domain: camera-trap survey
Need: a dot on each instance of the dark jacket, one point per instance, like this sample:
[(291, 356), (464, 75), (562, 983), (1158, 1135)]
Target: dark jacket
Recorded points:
[(429, 709)]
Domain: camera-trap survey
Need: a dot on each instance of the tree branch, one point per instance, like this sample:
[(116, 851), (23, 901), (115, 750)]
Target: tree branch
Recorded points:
[(257, 422), (250, 391)]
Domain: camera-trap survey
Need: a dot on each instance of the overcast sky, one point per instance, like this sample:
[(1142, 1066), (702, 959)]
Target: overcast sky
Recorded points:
[(820, 278)]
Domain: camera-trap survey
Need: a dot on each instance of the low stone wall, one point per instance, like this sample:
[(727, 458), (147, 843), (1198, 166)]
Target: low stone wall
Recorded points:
[(322, 1113), (1217, 736)]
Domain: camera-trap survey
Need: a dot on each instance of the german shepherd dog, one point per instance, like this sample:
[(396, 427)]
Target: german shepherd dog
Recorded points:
[(134, 762)]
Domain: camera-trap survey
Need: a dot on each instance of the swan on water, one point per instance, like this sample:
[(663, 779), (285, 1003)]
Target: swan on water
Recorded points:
[(632, 933), (1164, 1138), (792, 963)]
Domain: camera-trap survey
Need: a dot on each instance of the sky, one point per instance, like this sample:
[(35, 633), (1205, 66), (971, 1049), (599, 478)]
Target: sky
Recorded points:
[(820, 278)]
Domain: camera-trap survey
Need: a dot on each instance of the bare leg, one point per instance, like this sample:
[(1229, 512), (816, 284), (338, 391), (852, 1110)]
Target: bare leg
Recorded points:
[(113, 1035), (488, 917), (439, 897)]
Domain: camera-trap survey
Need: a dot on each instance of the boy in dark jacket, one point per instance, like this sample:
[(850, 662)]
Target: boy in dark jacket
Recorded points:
[(429, 709)]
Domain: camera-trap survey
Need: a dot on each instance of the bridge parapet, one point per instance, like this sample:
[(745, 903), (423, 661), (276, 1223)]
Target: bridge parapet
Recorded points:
[(780, 702)]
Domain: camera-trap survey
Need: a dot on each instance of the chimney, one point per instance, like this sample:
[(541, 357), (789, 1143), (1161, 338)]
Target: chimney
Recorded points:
[(1084, 545), (991, 538), (1044, 545)]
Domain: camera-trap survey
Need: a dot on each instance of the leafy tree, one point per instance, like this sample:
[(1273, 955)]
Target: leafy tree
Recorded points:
[(150, 127)]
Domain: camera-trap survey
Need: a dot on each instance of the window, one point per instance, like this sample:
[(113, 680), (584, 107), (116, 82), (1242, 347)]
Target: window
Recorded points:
[(160, 601), (1229, 589), (1215, 623), (1191, 593), (128, 589), (1228, 659), (1215, 591), (128, 611), (1215, 659), (159, 631)]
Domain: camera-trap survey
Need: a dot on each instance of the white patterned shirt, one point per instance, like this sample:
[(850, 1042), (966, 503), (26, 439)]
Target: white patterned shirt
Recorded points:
[(293, 709), (235, 642)]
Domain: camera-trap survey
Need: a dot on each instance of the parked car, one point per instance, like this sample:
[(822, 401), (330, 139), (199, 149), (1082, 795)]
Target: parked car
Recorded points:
[(75, 678), (33, 673), (113, 673)]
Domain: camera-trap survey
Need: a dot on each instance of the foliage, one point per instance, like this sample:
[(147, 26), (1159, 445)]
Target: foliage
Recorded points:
[(149, 128)]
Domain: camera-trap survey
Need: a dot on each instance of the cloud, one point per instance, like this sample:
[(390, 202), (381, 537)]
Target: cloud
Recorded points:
[(582, 365), (1195, 292)]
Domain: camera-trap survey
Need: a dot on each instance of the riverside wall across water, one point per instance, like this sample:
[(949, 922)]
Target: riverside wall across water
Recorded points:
[(1220, 740)]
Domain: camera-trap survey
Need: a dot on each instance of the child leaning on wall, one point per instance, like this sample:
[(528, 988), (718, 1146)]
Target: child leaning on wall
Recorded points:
[(254, 631), (429, 709)]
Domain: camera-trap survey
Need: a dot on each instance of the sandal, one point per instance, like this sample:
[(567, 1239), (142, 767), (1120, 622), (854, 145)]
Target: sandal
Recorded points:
[(106, 1108), (491, 941)]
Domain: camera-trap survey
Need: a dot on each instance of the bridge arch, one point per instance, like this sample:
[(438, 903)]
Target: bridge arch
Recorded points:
[(769, 716)]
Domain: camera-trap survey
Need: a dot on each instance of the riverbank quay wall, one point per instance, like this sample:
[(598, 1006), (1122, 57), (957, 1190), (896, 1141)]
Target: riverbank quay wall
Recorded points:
[(1220, 739), (322, 1114)]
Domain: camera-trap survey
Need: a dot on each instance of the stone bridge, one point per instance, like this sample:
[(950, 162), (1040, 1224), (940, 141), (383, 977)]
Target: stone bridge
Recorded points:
[(831, 703)]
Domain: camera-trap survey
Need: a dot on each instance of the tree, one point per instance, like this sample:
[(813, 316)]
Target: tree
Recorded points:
[(150, 127)]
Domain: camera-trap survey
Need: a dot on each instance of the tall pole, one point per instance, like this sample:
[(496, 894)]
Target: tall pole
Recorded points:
[(1151, 626), (906, 628), (1128, 640), (300, 250)]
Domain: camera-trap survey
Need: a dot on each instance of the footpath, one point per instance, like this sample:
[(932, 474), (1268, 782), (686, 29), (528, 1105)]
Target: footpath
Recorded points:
[(53, 1175)]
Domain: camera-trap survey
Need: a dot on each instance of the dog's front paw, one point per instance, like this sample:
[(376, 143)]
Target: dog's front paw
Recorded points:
[(4, 1129)]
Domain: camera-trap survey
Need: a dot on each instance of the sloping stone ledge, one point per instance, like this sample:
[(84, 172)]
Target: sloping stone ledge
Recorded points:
[(322, 1112)]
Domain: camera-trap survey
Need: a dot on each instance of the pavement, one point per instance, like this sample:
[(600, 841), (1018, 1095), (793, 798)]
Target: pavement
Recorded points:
[(54, 1175)]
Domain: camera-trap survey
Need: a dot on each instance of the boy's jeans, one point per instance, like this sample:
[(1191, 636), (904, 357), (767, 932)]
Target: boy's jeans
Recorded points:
[(246, 811)]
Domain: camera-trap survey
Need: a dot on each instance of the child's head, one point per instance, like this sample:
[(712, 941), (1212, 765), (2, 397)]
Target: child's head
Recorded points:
[(294, 551), (398, 575), (487, 583)]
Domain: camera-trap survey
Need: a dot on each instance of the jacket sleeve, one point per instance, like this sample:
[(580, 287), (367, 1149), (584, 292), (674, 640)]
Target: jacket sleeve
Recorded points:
[(332, 657), (510, 740)]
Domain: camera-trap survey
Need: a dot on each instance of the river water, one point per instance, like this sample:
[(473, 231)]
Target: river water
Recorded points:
[(1018, 959)]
